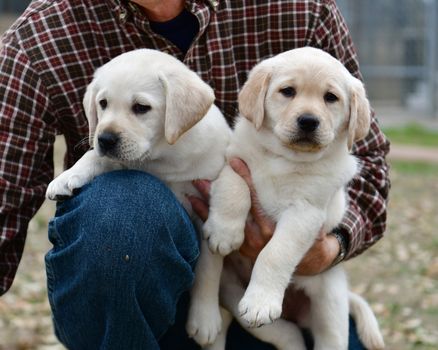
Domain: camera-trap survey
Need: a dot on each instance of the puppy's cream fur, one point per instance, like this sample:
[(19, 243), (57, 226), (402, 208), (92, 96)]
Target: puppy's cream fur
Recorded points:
[(300, 180), (181, 137)]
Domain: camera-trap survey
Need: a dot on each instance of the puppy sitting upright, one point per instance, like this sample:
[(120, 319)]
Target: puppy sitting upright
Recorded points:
[(302, 111), (147, 111)]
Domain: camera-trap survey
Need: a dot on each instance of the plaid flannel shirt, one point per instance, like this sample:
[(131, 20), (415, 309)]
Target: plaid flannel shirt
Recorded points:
[(49, 55)]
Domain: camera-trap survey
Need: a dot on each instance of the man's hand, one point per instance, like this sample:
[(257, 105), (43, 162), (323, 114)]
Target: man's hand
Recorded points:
[(260, 228), (320, 256)]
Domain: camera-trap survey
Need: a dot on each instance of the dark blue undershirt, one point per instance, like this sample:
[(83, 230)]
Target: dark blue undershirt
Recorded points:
[(180, 30)]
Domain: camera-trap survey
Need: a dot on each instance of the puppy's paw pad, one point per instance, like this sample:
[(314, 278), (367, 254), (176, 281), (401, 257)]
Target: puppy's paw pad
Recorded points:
[(258, 309), (204, 325)]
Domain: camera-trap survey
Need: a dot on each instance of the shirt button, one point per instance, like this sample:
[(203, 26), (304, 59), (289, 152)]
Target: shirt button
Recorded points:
[(122, 16)]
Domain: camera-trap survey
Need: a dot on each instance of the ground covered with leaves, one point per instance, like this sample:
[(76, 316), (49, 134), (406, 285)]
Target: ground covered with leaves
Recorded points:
[(398, 276)]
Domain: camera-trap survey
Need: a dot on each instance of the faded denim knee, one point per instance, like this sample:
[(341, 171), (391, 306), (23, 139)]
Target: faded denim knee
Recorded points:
[(124, 251)]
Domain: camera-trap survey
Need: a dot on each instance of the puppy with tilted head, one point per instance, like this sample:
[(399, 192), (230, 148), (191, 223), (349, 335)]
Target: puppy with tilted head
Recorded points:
[(147, 111), (301, 112)]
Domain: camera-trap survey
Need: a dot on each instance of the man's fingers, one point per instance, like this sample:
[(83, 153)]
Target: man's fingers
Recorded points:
[(254, 241), (266, 225), (248, 252), (319, 257), (240, 167), (199, 207), (203, 187)]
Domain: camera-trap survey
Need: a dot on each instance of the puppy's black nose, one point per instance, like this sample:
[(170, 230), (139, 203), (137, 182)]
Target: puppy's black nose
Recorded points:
[(107, 141), (308, 123)]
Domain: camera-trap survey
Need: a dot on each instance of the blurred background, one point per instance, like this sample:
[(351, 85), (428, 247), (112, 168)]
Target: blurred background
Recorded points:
[(397, 43)]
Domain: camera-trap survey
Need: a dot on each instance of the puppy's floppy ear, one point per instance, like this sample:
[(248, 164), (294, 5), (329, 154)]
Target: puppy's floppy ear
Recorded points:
[(253, 93), (188, 99), (89, 103), (360, 113)]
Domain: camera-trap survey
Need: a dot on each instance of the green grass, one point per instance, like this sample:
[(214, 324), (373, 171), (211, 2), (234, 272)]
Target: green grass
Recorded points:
[(434, 243), (414, 168), (413, 134)]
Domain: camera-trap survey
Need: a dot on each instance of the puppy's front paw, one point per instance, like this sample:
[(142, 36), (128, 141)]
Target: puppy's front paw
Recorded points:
[(63, 186), (204, 323), (77, 181), (260, 308), (223, 237), (58, 189)]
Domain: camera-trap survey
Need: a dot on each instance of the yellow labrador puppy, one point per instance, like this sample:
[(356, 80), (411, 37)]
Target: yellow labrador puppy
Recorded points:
[(301, 112), (147, 111)]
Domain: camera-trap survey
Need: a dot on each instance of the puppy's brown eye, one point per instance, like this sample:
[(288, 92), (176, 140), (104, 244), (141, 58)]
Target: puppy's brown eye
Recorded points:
[(288, 91), (330, 97), (140, 109), (103, 103)]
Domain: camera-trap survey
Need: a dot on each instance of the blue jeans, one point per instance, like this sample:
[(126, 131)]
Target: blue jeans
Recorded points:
[(121, 266)]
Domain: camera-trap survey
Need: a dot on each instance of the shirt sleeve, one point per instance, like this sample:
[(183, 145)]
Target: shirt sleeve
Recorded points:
[(26, 146), (365, 220)]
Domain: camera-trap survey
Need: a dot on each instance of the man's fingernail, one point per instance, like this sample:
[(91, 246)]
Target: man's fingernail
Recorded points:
[(235, 163), (197, 182)]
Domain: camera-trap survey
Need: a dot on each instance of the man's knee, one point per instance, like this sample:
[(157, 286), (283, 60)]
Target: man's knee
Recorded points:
[(123, 210), (122, 236)]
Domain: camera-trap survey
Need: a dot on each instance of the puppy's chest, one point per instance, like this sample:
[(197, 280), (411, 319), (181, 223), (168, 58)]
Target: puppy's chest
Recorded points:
[(280, 191)]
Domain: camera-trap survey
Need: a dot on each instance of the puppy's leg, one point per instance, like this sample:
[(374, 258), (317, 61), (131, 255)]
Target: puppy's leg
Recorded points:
[(85, 170), (328, 293), (294, 235), (221, 338), (229, 207), (282, 334), (204, 320)]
